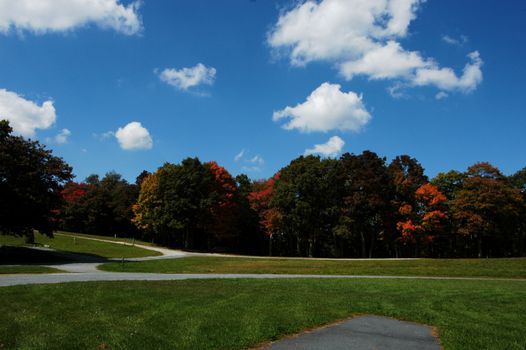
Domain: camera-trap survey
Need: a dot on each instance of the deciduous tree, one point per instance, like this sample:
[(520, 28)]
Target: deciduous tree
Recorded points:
[(31, 179)]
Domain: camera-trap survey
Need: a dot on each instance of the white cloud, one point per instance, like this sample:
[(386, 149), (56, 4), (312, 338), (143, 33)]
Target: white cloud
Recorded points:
[(453, 41), (441, 95), (186, 78), (133, 137), (360, 37), (61, 137), (26, 116), (256, 160), (251, 164), (384, 62), (239, 155), (328, 149), (327, 108), (42, 16), (446, 79)]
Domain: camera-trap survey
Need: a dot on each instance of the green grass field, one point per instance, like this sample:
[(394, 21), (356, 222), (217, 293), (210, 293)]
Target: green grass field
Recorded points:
[(107, 238), (504, 268), (237, 314), (27, 269), (76, 244)]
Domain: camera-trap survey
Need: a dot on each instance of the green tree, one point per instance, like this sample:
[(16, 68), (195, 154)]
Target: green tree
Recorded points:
[(449, 183), (175, 205), (100, 206), (367, 199), (307, 198), (518, 180), (31, 179), (487, 210)]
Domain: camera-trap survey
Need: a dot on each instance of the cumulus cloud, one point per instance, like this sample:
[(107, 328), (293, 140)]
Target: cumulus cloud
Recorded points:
[(186, 78), (361, 37), (326, 108), (60, 138), (446, 79), (42, 16), (328, 149), (26, 116), (134, 137)]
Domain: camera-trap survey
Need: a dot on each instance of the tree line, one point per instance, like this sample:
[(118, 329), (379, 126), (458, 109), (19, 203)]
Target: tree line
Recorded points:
[(358, 205)]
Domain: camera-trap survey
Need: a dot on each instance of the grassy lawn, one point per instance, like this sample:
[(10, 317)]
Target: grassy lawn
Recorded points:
[(27, 269), (77, 244), (107, 238), (236, 314), (508, 268)]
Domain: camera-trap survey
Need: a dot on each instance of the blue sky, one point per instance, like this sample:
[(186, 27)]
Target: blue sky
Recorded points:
[(254, 84)]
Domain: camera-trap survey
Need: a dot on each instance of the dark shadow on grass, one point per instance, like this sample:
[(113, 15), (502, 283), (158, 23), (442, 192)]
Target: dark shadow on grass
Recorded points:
[(12, 255)]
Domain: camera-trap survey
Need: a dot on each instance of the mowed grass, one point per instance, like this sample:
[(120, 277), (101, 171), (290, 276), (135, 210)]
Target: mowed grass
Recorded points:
[(107, 238), (503, 268), (78, 244), (27, 269), (239, 314)]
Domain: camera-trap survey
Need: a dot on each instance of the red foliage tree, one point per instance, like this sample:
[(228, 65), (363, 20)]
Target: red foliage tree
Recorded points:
[(224, 209), (260, 201)]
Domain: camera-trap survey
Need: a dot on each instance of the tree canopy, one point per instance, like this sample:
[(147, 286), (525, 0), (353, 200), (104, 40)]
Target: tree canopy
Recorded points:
[(31, 179)]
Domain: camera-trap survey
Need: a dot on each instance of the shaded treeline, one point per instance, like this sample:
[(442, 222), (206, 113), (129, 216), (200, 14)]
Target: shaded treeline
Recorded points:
[(354, 206)]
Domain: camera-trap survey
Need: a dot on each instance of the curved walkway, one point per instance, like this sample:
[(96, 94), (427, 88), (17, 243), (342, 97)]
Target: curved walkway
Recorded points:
[(84, 269), (17, 279)]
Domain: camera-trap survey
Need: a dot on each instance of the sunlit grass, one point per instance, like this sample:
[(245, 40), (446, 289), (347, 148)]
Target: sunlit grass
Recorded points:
[(503, 268), (237, 314)]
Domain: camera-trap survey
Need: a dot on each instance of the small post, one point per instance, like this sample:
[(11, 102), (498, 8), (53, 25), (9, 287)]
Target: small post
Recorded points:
[(74, 240)]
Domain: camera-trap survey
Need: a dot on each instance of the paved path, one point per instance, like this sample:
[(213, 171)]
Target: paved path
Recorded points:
[(363, 333), (17, 279), (83, 268)]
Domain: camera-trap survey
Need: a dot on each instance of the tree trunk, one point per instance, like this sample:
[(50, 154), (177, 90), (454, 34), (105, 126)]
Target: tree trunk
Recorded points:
[(298, 248), (310, 247), (371, 247), (479, 245), (186, 235), (270, 245), (364, 248)]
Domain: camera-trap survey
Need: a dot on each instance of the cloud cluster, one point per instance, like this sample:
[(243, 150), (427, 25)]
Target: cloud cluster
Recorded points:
[(361, 38), (329, 149), (26, 116), (251, 164), (133, 137), (326, 108), (185, 78), (42, 16)]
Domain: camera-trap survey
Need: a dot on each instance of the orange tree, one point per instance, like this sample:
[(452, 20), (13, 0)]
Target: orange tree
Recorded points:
[(426, 221)]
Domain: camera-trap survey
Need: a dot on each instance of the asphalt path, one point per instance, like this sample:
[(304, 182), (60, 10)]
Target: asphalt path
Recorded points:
[(18, 279), (363, 333), (83, 268)]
